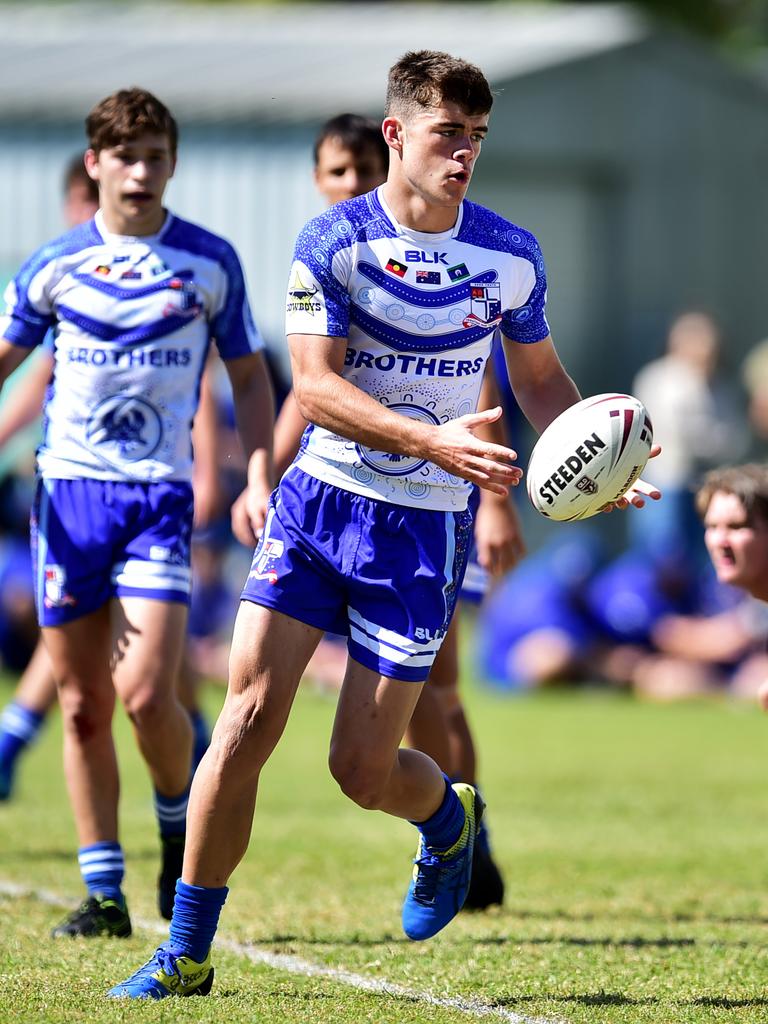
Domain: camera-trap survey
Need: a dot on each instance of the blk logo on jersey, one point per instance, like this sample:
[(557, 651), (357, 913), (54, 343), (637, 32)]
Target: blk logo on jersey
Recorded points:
[(419, 256)]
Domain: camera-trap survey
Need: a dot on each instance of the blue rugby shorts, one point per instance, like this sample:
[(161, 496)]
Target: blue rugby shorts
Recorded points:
[(93, 540), (385, 576)]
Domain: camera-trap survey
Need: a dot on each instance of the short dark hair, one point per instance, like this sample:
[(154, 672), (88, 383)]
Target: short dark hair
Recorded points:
[(427, 78), (748, 483), (76, 174), (125, 115), (355, 133)]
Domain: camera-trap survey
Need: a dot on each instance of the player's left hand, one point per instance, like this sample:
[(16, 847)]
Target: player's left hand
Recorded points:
[(639, 491), (249, 513), (498, 534)]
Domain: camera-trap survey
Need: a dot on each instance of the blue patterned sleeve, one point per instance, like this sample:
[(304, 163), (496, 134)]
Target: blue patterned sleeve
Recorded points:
[(528, 322), (233, 326), (28, 315), (318, 302)]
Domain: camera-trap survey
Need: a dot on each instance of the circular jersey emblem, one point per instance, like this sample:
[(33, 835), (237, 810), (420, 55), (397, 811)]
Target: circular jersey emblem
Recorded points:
[(124, 429), (389, 464)]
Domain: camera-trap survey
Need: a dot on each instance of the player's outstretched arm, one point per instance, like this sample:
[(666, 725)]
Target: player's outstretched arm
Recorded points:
[(542, 387), (205, 468), (24, 401), (255, 416), (12, 356), (328, 400)]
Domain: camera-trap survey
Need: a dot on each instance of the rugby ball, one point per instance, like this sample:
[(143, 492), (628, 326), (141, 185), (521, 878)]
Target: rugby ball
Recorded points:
[(589, 456)]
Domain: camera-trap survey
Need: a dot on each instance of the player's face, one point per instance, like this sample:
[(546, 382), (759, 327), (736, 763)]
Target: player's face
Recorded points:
[(737, 544), (132, 178), (341, 174), (439, 147)]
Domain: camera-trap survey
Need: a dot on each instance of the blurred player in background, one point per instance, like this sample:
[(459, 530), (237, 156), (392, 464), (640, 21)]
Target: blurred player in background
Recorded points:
[(134, 298), (393, 301), (35, 695)]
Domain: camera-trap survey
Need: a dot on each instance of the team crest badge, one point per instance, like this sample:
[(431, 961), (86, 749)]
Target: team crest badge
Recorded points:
[(302, 299), (484, 305), (56, 595), (586, 485), (264, 564)]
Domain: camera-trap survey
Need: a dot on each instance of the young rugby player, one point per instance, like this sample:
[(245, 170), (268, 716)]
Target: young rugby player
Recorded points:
[(351, 158), (134, 297), (392, 303), (23, 718)]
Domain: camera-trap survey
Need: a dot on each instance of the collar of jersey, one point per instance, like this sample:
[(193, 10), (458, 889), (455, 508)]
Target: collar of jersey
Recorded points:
[(417, 236), (110, 236)]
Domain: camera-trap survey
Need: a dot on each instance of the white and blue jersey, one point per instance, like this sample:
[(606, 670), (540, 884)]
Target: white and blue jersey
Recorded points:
[(418, 312), (132, 319)]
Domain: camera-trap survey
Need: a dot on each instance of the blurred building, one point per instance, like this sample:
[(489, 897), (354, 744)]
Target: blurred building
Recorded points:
[(637, 156)]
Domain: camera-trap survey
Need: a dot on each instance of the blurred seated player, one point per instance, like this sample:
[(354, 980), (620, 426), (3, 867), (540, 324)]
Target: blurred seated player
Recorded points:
[(535, 628), (733, 504), (35, 694), (670, 629), (134, 298)]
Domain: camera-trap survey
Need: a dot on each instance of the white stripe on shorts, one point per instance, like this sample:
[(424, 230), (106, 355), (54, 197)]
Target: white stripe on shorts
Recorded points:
[(144, 575), (401, 650)]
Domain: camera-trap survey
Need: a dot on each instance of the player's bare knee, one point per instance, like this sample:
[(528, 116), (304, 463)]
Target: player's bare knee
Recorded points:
[(762, 695), (364, 784), (148, 705), (249, 728), (85, 715)]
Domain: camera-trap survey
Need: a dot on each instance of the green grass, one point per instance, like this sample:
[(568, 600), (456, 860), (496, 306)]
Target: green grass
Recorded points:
[(633, 837)]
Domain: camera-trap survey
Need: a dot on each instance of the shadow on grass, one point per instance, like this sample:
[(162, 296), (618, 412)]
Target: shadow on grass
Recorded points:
[(633, 942), (674, 918), (620, 999)]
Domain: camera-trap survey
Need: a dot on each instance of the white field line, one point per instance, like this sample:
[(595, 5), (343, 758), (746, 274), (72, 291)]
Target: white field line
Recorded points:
[(297, 965)]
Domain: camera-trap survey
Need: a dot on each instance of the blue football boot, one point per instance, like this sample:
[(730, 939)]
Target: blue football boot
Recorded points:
[(441, 877)]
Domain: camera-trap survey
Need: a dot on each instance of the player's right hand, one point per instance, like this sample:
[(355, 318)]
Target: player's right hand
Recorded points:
[(457, 450)]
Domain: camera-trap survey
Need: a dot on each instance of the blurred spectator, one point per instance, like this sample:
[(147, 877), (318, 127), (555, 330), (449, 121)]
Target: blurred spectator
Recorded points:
[(698, 422), (733, 502), (755, 377)]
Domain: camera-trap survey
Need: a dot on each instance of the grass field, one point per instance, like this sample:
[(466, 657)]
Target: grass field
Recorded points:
[(634, 840)]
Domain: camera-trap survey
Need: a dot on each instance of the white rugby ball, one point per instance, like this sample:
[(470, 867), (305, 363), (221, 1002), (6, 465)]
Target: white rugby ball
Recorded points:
[(589, 456)]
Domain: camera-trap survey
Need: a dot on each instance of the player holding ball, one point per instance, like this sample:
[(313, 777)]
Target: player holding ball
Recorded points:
[(393, 301)]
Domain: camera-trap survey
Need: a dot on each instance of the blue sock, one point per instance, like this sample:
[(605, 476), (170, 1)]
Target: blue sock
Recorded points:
[(171, 812), (195, 919), (443, 829), (102, 867), (201, 737), (18, 728)]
